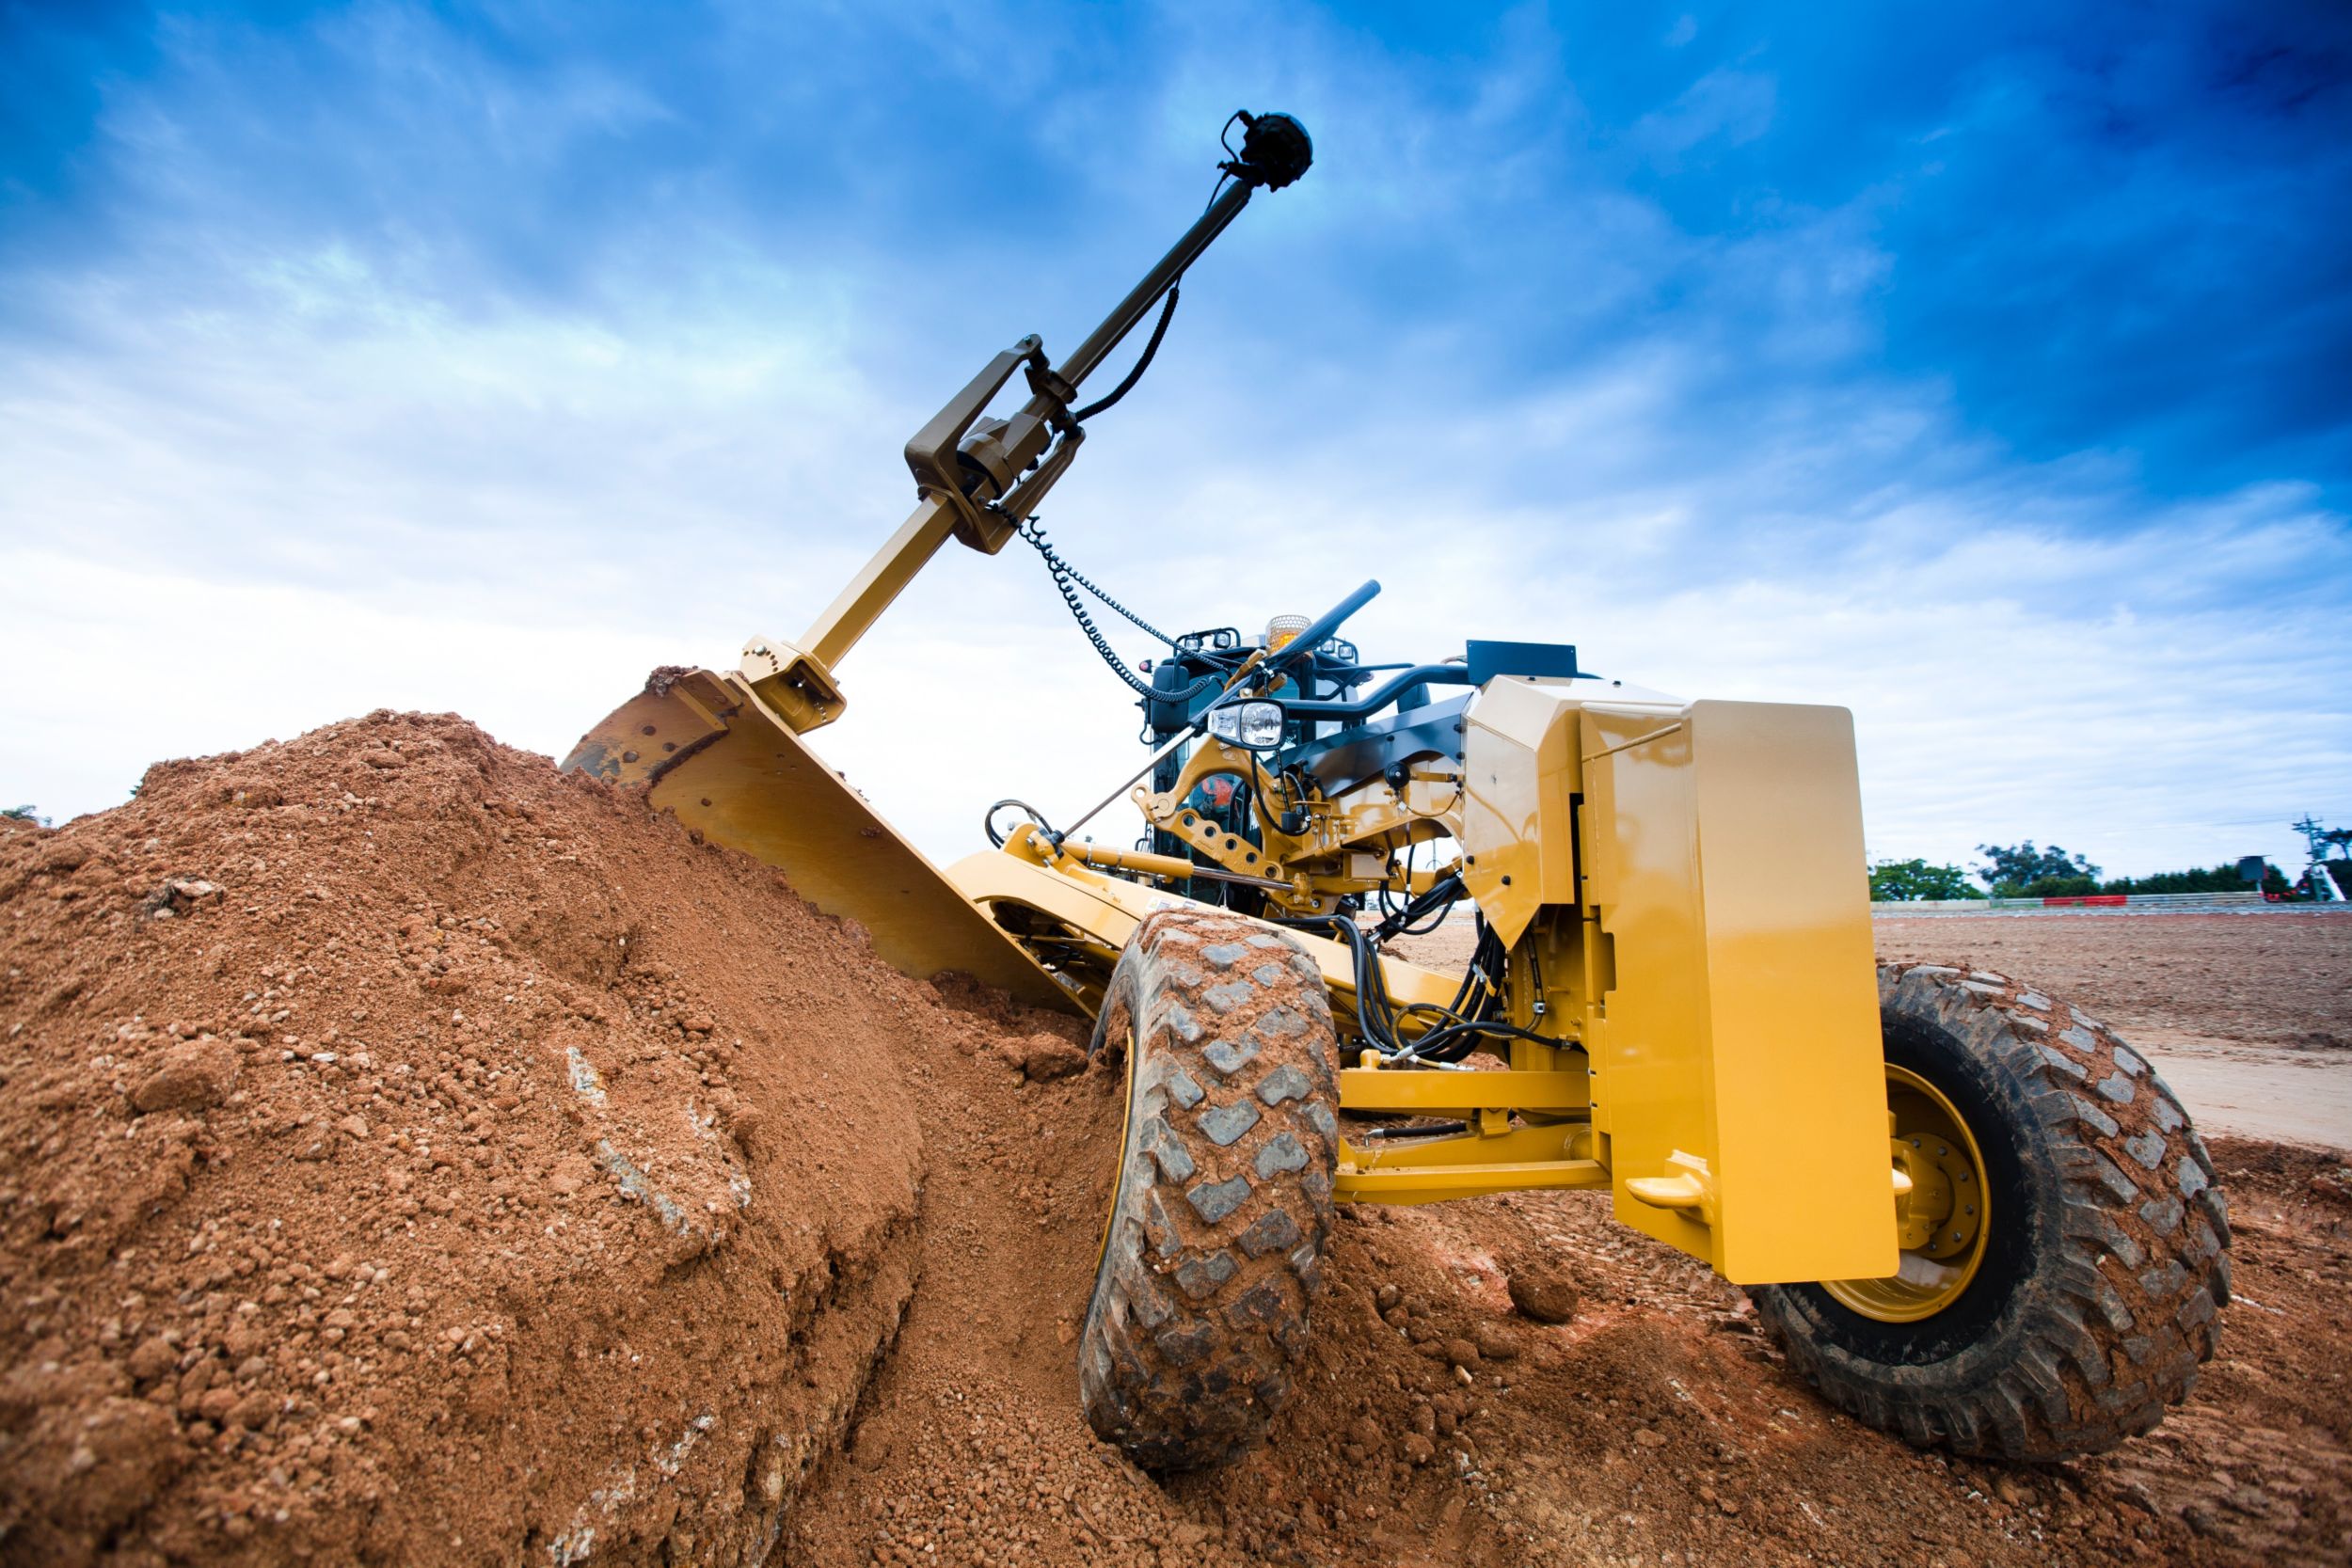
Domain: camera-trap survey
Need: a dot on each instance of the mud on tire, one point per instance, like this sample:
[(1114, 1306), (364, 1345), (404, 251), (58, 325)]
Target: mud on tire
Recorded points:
[(1223, 1198), (2107, 1263)]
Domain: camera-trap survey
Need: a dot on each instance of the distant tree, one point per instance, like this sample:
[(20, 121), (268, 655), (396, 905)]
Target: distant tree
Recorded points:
[(1906, 881), (23, 814), (2048, 887), (2340, 839), (2219, 879), (2019, 870)]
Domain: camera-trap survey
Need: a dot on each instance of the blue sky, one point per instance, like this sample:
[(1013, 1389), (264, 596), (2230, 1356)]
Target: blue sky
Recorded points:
[(1983, 370)]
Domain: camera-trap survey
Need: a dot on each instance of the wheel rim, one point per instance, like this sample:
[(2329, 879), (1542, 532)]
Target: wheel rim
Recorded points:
[(1944, 1219)]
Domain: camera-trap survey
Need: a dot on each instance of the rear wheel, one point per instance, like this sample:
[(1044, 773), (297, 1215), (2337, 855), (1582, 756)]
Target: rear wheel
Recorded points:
[(1213, 1247), (2065, 1249)]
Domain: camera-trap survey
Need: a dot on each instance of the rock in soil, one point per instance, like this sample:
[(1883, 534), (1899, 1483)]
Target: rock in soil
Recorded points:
[(1543, 1290)]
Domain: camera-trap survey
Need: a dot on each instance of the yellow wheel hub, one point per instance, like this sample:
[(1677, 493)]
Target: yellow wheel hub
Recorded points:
[(1941, 1219)]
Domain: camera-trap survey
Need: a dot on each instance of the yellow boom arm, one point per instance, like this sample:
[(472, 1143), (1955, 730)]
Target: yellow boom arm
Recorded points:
[(977, 477)]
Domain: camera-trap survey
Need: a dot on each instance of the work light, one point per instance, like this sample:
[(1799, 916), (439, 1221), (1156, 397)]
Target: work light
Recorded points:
[(1255, 725)]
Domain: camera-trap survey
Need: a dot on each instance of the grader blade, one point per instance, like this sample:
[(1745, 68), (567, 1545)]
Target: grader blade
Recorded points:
[(709, 750)]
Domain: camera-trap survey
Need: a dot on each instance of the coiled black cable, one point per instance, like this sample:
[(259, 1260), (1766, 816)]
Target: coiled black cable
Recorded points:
[(1035, 534), (1067, 579)]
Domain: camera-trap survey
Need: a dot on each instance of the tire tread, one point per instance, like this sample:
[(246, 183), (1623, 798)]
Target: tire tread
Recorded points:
[(2124, 1302), (1197, 1323)]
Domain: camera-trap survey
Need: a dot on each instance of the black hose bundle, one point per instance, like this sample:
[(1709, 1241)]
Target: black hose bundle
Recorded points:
[(1453, 1030)]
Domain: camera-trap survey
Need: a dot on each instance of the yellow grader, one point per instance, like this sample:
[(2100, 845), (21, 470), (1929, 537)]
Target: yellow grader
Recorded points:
[(1968, 1211)]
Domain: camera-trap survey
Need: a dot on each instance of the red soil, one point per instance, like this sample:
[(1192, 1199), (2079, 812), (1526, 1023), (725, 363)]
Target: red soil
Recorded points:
[(640, 1215), (412, 1154)]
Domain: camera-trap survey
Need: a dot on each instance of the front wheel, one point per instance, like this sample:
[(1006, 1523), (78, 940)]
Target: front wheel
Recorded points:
[(1213, 1247), (2065, 1248)]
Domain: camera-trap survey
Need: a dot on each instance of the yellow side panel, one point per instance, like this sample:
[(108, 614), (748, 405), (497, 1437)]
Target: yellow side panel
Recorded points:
[(1518, 780), (1740, 1037)]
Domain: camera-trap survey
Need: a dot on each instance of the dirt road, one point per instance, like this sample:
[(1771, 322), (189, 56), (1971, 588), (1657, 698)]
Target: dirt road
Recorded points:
[(2248, 1017)]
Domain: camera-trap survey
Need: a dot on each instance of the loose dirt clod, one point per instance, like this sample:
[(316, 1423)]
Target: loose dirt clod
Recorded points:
[(485, 1171), (1543, 1290)]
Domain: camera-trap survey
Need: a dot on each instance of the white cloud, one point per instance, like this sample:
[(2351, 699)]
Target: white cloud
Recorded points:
[(1735, 106), (247, 524), (254, 485)]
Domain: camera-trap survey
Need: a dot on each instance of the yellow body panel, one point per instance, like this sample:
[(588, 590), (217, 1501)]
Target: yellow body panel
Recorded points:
[(1518, 786), (1736, 1048)]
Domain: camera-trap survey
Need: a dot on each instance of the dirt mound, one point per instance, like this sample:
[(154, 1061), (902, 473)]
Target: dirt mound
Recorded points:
[(414, 1154)]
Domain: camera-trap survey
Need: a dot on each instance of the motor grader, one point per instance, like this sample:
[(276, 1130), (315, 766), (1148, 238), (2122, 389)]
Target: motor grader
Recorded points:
[(1968, 1211)]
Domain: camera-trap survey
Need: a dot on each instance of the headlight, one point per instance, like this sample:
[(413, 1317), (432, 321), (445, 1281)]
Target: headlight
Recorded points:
[(1257, 726)]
